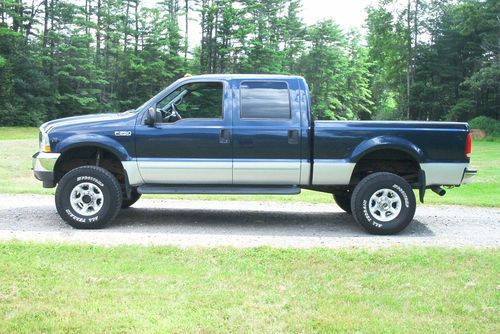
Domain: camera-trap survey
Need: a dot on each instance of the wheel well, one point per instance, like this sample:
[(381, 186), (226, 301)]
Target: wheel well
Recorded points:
[(89, 155), (392, 161)]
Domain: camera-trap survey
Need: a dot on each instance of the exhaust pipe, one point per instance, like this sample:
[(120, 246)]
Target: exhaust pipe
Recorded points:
[(438, 190)]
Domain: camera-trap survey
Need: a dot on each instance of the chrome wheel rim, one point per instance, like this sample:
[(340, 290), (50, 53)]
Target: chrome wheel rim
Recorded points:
[(86, 199), (385, 205)]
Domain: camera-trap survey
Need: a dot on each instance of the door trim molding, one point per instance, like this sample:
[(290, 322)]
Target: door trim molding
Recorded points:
[(186, 171)]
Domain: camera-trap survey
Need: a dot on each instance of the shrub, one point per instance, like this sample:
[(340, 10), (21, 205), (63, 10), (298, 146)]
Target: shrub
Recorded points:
[(489, 125)]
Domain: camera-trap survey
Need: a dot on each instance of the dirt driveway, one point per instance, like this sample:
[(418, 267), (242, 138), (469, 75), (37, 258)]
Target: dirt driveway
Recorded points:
[(246, 224)]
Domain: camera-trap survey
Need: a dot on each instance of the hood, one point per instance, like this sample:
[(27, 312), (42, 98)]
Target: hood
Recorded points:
[(86, 119)]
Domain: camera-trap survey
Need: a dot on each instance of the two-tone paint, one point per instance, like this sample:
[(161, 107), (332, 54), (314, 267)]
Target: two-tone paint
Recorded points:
[(437, 146), (231, 150)]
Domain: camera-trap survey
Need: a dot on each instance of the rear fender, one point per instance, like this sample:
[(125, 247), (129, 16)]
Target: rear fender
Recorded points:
[(387, 143)]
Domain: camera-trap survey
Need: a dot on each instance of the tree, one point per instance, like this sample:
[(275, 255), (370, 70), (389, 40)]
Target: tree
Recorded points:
[(324, 66), (420, 59)]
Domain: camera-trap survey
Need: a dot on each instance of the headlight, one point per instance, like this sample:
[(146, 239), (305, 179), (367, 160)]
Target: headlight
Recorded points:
[(44, 142)]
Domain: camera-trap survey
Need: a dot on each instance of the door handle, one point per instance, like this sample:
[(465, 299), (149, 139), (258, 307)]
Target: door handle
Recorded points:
[(225, 136), (293, 136)]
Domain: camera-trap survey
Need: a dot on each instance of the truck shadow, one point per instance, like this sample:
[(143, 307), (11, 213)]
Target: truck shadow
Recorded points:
[(247, 222)]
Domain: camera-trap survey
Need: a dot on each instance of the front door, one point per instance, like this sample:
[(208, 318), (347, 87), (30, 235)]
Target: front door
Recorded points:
[(266, 132), (192, 143)]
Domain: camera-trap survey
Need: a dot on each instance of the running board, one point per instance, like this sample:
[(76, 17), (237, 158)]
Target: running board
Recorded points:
[(211, 189)]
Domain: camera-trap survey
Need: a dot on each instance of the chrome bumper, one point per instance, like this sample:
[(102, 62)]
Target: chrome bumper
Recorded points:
[(43, 167), (469, 175)]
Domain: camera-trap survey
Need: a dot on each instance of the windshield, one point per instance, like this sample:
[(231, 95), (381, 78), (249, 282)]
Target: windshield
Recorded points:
[(142, 106)]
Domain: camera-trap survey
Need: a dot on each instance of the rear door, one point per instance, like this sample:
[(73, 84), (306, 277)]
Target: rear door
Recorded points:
[(266, 132)]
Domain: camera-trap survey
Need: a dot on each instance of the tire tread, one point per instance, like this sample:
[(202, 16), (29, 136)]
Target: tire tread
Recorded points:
[(359, 215), (115, 191)]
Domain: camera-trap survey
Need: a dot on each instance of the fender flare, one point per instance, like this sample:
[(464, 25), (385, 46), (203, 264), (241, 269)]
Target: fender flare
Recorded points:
[(95, 140), (387, 143)]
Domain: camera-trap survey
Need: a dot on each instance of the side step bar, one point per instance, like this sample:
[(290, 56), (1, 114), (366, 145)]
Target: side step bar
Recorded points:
[(218, 189)]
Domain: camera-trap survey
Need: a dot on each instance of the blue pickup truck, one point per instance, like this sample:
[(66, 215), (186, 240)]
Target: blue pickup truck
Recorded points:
[(246, 134)]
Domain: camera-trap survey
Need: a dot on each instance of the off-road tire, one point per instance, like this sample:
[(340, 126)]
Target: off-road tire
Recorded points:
[(134, 197), (105, 182), (343, 201), (364, 207)]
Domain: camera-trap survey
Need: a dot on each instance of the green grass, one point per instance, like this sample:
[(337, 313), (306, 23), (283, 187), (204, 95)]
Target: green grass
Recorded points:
[(9, 133), (60, 288), (16, 175)]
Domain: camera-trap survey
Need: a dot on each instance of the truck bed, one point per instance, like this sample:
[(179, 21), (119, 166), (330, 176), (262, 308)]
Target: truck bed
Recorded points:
[(435, 141)]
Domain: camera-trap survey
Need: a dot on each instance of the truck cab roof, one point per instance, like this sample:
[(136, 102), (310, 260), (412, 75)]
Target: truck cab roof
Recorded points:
[(241, 76)]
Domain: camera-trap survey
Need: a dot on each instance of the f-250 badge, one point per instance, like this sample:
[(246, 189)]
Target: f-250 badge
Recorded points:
[(123, 133)]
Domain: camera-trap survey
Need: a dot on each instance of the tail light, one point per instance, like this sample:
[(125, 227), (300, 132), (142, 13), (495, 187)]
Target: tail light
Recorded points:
[(468, 145)]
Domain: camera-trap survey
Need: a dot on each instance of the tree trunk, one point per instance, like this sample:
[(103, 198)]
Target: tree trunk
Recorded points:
[(45, 23), (125, 33), (215, 46), (87, 15), (17, 20), (3, 13), (203, 35), (52, 44), (29, 24), (408, 60), (98, 34), (186, 34), (136, 33)]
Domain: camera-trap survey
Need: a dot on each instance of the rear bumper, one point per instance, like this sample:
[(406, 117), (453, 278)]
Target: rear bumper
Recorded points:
[(43, 167), (469, 175)]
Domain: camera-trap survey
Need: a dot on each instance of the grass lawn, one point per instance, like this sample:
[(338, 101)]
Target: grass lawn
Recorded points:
[(9, 133), (19, 144), (61, 288)]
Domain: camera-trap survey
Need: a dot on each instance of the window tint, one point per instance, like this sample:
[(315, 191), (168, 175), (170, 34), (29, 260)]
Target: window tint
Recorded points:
[(261, 99), (194, 100)]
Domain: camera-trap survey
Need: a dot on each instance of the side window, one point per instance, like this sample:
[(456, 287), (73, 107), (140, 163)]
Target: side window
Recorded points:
[(194, 100), (265, 99)]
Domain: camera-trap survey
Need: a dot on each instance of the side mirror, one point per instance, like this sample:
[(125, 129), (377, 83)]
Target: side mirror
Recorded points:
[(151, 116)]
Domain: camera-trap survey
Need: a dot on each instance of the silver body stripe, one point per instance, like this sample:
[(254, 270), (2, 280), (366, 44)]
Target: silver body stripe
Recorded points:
[(134, 176), (443, 173), (332, 172), (277, 172), (186, 171), (261, 172), (305, 172)]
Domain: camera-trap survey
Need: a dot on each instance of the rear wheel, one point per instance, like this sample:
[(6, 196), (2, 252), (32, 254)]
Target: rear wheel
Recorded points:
[(383, 203), (343, 201), (88, 197)]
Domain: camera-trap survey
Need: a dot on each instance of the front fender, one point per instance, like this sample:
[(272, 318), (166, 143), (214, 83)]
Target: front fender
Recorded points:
[(389, 143), (96, 140)]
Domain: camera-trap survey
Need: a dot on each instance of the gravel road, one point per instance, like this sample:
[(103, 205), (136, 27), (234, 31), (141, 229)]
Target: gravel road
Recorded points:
[(188, 223)]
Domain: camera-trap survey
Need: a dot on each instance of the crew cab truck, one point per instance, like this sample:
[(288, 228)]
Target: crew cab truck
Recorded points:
[(246, 134)]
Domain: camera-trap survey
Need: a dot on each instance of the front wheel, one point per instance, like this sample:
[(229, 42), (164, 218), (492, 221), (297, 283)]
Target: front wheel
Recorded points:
[(88, 197), (383, 203)]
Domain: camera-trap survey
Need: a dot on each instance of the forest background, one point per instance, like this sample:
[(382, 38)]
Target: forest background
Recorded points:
[(415, 59)]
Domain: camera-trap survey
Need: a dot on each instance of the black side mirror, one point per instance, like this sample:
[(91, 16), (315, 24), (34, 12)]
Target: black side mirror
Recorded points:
[(151, 116)]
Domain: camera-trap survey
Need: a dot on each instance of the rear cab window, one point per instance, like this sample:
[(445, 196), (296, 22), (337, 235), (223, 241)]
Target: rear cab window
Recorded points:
[(265, 100)]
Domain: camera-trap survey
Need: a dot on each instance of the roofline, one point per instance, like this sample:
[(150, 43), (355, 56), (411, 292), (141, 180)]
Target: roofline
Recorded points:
[(245, 76)]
